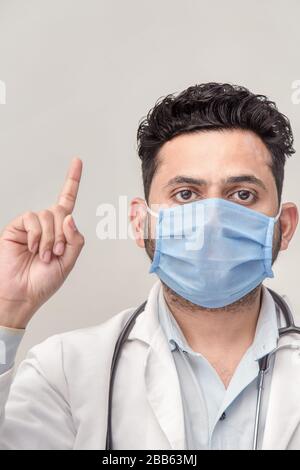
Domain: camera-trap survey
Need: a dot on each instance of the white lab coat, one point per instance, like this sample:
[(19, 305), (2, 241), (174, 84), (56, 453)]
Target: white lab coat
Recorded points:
[(58, 398)]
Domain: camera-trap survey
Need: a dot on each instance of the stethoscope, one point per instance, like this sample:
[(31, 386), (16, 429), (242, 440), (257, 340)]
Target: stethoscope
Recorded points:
[(263, 362)]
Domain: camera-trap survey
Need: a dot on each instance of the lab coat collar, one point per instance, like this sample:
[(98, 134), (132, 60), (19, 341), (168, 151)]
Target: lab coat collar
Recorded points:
[(147, 323), (266, 334)]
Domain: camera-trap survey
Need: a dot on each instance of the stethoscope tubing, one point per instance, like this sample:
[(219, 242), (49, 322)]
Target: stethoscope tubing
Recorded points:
[(261, 380)]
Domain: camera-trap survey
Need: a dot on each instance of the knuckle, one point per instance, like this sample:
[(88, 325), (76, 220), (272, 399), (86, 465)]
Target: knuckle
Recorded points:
[(46, 215), (59, 210), (81, 240), (59, 237), (35, 233), (68, 196), (48, 237), (46, 245), (28, 215)]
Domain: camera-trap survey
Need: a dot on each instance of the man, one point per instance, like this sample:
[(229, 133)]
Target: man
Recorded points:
[(187, 374)]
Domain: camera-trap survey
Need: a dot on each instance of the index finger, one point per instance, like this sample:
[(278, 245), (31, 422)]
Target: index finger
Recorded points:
[(67, 197)]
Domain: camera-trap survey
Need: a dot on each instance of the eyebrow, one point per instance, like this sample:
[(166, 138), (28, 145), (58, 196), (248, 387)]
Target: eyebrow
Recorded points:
[(181, 179)]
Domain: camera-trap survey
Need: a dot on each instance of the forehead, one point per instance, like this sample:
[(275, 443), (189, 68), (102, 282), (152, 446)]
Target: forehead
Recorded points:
[(214, 155)]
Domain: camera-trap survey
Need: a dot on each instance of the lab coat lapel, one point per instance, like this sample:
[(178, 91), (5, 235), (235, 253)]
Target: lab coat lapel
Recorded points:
[(160, 374), (163, 391), (283, 415)]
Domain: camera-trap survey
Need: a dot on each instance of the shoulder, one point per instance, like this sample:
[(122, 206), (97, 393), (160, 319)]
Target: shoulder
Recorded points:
[(62, 352), (82, 337)]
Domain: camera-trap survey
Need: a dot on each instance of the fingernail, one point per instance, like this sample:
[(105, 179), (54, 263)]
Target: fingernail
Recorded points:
[(72, 224), (59, 248), (47, 256)]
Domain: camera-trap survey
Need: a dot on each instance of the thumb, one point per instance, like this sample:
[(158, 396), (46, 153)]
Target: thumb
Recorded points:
[(74, 242)]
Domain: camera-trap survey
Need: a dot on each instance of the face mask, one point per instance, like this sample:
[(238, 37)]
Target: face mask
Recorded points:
[(213, 252)]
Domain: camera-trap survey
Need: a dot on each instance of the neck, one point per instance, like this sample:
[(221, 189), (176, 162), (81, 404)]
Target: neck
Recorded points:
[(222, 335)]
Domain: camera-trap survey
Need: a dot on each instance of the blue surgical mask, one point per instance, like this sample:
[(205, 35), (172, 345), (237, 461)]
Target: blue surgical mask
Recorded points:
[(213, 252)]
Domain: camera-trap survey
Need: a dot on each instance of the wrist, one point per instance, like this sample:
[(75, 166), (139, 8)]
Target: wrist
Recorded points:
[(14, 316), (13, 323)]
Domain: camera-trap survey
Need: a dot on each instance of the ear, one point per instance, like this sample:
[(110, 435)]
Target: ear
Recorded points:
[(288, 220), (137, 215)]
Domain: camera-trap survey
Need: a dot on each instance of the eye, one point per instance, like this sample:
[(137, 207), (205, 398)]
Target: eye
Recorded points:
[(185, 195), (244, 195)]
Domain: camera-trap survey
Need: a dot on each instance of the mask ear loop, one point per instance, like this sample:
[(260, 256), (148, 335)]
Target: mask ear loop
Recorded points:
[(269, 242), (279, 213), (151, 212)]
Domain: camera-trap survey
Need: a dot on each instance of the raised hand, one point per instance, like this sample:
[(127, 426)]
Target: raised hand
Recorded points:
[(37, 252)]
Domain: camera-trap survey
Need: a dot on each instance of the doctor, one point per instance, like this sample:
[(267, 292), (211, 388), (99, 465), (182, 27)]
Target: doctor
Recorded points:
[(187, 376)]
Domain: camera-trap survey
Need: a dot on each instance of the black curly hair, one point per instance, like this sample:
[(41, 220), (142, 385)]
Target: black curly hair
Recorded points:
[(214, 106)]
